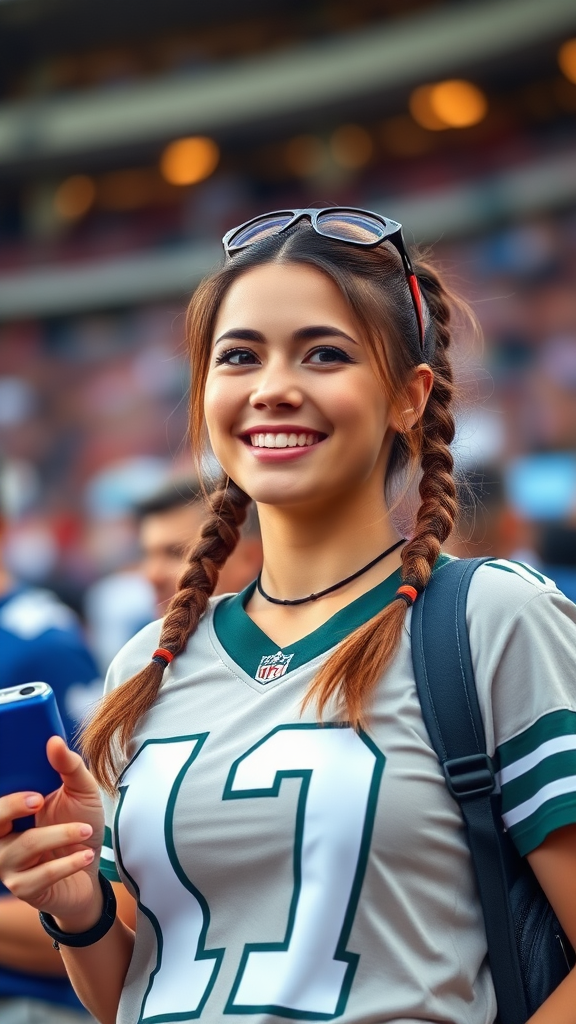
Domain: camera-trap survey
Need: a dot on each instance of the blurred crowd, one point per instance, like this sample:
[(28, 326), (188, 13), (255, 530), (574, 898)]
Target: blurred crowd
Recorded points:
[(93, 416)]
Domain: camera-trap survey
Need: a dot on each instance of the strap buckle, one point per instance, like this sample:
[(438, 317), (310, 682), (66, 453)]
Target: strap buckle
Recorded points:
[(469, 776)]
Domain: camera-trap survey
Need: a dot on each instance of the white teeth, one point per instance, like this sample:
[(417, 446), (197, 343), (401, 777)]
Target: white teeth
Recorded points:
[(283, 440)]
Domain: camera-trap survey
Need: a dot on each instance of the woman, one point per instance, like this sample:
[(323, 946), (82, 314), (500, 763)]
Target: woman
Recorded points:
[(280, 815)]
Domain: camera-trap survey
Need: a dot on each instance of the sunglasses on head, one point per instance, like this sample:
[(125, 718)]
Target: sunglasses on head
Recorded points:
[(345, 224)]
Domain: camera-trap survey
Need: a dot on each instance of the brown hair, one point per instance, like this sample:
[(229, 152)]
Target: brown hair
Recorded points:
[(373, 283)]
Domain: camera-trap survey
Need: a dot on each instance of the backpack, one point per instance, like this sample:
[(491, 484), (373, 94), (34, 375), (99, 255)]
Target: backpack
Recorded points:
[(528, 952)]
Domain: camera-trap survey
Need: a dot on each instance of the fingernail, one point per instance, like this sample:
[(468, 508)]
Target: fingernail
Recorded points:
[(88, 856), (33, 801), (85, 831)]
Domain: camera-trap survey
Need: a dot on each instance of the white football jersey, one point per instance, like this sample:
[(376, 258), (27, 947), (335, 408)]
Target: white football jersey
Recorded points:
[(291, 869)]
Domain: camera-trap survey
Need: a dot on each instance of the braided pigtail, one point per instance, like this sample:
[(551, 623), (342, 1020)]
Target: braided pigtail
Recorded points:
[(105, 738), (357, 664), (437, 512)]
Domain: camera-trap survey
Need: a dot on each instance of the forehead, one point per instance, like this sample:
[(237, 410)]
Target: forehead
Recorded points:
[(289, 295), (174, 526)]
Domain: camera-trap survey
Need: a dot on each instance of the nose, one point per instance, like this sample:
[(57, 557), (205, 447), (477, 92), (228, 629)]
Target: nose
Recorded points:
[(276, 388)]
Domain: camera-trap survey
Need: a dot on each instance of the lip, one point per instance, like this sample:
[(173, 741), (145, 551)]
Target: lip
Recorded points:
[(281, 454), (279, 428)]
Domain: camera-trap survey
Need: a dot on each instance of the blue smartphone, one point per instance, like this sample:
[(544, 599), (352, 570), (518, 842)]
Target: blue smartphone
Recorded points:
[(29, 716)]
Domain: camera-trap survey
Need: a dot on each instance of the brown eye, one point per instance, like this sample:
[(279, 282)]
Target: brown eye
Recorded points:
[(237, 357), (328, 354)]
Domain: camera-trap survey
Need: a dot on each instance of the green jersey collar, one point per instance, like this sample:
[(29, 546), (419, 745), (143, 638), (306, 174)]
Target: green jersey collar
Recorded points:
[(250, 648)]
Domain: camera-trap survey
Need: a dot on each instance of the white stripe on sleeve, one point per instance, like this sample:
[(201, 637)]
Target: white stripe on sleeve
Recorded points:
[(548, 792), (524, 764)]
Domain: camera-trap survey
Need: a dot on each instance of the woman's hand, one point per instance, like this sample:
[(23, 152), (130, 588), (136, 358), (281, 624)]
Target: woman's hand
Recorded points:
[(54, 867)]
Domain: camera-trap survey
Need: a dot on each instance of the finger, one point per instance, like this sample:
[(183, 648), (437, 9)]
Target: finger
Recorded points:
[(17, 805), (33, 884), (27, 848), (70, 766)]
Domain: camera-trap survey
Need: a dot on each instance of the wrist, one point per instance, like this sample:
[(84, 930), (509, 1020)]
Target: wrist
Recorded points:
[(83, 929)]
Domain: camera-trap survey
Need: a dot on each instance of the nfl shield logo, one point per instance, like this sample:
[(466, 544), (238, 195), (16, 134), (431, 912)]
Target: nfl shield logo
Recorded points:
[(273, 666)]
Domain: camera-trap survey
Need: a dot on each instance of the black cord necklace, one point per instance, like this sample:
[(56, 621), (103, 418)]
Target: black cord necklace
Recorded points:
[(335, 586)]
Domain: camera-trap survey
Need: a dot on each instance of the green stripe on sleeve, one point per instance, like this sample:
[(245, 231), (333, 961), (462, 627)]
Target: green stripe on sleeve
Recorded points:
[(532, 831), (549, 727), (558, 766)]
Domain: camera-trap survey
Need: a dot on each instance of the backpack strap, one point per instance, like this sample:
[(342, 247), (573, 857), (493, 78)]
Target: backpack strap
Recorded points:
[(447, 692)]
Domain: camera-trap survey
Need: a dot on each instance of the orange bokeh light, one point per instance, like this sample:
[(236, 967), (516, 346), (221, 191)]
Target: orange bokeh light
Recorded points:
[(567, 59), (454, 103), (188, 161)]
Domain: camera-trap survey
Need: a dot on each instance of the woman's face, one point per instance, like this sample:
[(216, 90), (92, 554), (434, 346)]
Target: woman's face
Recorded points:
[(294, 410)]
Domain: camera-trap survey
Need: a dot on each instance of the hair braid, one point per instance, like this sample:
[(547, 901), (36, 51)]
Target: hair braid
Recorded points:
[(438, 508), (105, 738)]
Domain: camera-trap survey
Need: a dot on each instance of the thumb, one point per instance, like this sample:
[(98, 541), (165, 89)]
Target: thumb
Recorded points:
[(70, 766)]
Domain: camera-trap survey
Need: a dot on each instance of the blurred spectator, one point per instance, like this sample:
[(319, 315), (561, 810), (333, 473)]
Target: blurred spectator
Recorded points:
[(245, 561), (116, 607), (556, 546), (40, 640), (169, 524)]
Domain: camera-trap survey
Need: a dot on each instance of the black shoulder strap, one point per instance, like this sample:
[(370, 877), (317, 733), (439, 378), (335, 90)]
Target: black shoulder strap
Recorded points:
[(447, 692)]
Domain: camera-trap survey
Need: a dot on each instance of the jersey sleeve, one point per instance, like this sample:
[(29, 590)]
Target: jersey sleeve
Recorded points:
[(523, 636), (127, 662)]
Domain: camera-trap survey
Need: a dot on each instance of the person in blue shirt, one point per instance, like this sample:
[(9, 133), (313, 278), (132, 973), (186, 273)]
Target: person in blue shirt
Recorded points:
[(40, 640)]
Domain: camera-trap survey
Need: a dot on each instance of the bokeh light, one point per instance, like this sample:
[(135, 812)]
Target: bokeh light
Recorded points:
[(351, 146), (306, 156), (567, 59), (454, 103), (420, 105), (74, 197), (458, 103), (188, 161)]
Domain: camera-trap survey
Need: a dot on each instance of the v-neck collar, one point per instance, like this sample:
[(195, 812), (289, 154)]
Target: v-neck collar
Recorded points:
[(248, 645)]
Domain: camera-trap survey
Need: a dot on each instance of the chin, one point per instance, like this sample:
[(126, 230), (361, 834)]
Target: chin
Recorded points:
[(280, 496)]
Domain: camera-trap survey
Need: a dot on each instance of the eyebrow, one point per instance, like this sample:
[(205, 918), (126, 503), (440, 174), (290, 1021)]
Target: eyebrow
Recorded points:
[(312, 333)]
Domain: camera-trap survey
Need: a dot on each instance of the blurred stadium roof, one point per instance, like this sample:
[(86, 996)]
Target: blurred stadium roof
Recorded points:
[(365, 65), (93, 87)]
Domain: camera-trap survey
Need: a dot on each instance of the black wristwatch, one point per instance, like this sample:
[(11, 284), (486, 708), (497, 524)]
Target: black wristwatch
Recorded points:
[(94, 934)]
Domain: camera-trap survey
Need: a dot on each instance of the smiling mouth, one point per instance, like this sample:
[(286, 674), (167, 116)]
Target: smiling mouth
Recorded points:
[(283, 439)]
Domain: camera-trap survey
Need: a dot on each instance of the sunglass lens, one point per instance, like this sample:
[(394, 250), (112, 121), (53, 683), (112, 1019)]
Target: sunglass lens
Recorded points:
[(257, 230), (349, 226)]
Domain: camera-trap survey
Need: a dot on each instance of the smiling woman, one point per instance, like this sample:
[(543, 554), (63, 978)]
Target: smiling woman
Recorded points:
[(272, 798)]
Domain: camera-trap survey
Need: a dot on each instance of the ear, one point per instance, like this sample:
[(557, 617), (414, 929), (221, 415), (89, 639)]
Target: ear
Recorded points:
[(414, 399)]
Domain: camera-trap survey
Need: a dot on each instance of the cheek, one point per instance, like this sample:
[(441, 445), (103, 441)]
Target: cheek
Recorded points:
[(363, 409), (219, 408)]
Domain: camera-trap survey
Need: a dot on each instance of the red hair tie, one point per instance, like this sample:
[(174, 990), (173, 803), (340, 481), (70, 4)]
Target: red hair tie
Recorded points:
[(407, 593), (162, 655)]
